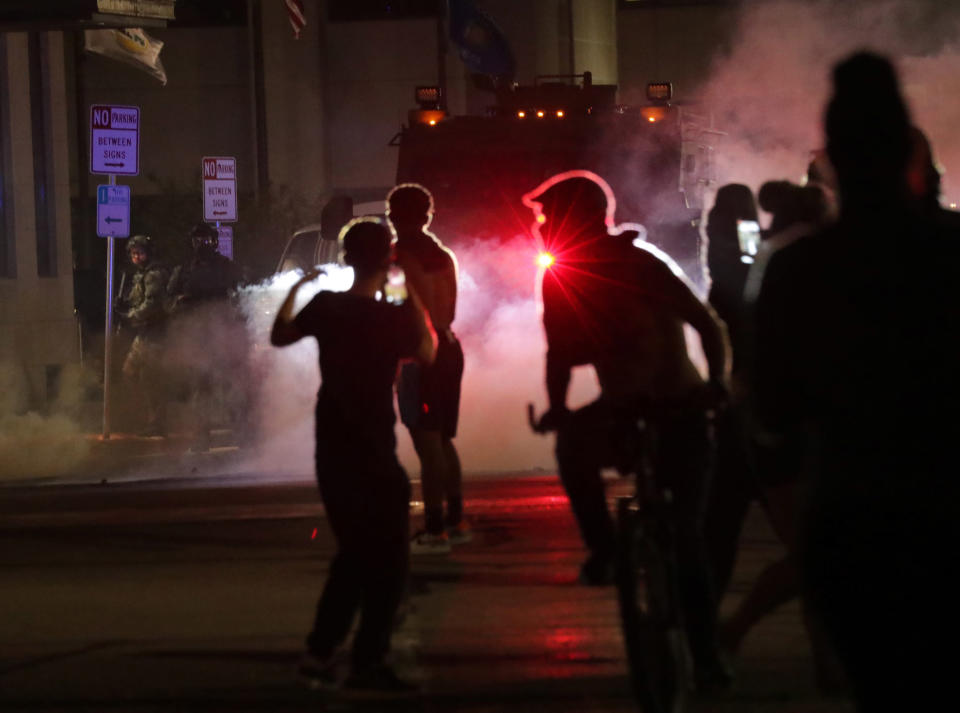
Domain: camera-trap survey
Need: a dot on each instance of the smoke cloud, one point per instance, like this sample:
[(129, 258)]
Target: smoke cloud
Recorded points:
[(769, 91), (34, 445), (499, 326)]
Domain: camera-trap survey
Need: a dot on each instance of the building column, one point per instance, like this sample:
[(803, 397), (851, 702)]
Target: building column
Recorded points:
[(38, 330)]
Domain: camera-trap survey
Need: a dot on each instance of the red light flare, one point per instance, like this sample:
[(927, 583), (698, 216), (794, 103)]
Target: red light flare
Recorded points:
[(313, 535), (545, 260), (571, 275)]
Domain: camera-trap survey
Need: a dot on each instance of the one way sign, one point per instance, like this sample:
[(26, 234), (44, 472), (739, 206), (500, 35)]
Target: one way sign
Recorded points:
[(220, 189), (113, 211)]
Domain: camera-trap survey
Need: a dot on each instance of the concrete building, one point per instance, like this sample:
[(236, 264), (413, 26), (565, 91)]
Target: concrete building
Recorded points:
[(38, 328)]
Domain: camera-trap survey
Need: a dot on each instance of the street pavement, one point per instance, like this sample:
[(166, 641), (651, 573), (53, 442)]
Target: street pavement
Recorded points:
[(195, 595)]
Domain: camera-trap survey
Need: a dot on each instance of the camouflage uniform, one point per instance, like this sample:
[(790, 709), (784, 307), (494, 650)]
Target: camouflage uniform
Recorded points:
[(146, 316)]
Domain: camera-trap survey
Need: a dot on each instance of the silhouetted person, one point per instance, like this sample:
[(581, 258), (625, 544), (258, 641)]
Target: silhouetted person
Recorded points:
[(429, 396), (734, 486), (621, 308), (924, 180), (798, 212), (798, 209), (364, 489), (856, 383)]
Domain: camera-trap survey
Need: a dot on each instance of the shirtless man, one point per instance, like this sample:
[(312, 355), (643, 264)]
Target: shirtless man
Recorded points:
[(429, 396), (621, 308)]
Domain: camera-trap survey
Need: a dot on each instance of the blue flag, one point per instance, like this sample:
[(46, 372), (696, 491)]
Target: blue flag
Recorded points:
[(483, 47)]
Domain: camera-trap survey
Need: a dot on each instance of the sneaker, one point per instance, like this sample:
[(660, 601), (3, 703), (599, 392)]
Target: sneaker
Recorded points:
[(460, 533), (377, 682), (427, 543), (318, 673)]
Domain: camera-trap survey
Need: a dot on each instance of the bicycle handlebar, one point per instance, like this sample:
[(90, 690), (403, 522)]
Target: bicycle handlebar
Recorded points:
[(709, 397)]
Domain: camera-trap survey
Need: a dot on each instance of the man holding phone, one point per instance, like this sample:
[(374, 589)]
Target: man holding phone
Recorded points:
[(429, 396), (364, 489)]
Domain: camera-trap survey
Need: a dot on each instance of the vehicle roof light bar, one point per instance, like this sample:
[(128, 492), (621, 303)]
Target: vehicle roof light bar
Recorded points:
[(659, 91)]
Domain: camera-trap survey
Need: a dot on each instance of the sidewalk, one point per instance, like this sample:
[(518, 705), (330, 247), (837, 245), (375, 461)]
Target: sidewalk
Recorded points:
[(173, 455), (72, 458)]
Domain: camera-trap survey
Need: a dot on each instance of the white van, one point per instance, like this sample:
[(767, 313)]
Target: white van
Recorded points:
[(317, 243)]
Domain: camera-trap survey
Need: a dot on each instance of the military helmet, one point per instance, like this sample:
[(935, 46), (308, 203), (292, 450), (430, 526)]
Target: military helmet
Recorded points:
[(205, 237), (143, 242)]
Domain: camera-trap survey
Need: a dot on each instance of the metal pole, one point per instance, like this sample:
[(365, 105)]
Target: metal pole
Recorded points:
[(442, 52), (258, 107), (76, 315), (108, 333)]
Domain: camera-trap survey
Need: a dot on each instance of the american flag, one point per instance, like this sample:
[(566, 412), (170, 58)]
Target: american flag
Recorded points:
[(297, 18)]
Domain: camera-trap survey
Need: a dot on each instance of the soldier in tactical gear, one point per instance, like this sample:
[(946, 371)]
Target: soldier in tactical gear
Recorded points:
[(143, 310), (207, 339), (207, 276)]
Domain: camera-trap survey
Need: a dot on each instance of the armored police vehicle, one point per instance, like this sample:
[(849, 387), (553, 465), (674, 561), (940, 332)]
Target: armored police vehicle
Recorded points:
[(658, 158)]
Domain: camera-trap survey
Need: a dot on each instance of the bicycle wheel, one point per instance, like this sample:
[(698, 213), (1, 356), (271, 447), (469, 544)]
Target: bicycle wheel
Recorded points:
[(650, 622)]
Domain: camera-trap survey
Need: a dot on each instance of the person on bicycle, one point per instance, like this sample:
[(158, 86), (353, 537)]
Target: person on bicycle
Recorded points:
[(613, 301)]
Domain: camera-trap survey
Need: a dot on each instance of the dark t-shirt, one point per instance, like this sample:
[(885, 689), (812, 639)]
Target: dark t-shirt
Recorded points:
[(361, 341)]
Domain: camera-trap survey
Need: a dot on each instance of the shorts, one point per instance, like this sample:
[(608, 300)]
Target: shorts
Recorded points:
[(429, 396)]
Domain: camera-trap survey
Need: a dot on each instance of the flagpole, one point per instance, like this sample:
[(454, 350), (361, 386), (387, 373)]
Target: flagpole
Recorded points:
[(442, 52)]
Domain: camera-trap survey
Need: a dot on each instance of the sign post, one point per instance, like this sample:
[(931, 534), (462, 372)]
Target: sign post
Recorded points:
[(114, 150)]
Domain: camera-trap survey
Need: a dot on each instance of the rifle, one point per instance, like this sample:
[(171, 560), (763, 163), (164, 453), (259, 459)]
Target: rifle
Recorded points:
[(117, 298)]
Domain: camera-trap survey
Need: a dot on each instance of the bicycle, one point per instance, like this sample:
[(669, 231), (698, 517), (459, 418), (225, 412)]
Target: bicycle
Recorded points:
[(651, 617), (646, 565)]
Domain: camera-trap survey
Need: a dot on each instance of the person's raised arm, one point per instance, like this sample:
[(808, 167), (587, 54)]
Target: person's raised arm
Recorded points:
[(427, 345), (285, 330)]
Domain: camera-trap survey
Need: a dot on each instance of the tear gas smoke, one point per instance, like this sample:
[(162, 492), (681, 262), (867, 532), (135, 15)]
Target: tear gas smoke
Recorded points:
[(504, 347), (33, 445), (275, 390), (768, 93)]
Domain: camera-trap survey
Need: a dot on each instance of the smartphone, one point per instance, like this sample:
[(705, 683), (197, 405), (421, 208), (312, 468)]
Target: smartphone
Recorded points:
[(748, 234), (395, 291)]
